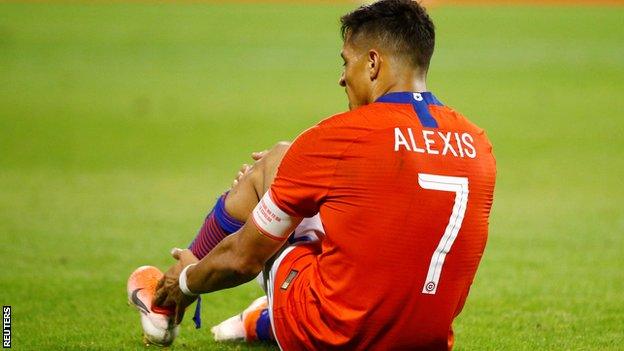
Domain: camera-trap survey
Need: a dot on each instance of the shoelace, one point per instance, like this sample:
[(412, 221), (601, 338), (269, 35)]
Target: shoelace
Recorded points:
[(197, 315)]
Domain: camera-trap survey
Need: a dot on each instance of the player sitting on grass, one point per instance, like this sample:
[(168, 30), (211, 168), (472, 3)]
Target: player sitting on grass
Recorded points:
[(403, 186)]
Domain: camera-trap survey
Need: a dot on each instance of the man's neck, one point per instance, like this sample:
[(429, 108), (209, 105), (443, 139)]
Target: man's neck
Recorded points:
[(416, 85)]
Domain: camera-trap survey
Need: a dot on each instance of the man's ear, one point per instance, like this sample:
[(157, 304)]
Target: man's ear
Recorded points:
[(374, 64)]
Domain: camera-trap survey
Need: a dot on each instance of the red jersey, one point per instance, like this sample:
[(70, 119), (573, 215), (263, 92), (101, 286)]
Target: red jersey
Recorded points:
[(404, 188)]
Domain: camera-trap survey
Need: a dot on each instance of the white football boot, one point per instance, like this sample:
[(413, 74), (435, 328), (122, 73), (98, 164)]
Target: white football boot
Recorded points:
[(233, 328)]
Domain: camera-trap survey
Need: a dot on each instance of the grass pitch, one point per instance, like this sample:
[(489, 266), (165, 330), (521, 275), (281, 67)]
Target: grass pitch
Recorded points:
[(120, 124)]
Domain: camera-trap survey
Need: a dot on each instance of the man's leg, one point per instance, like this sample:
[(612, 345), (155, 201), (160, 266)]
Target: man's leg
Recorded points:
[(252, 184), (228, 215), (254, 324), (234, 207)]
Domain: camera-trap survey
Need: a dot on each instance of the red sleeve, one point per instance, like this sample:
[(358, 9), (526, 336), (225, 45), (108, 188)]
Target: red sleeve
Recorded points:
[(305, 174)]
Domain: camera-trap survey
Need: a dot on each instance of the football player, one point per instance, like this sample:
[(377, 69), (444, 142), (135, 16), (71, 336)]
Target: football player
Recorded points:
[(403, 185)]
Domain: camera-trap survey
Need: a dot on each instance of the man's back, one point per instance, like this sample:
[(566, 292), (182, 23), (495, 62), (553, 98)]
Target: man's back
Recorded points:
[(404, 187)]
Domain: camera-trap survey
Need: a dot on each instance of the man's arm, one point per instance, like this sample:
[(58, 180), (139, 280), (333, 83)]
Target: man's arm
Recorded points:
[(245, 245), (236, 260), (305, 176)]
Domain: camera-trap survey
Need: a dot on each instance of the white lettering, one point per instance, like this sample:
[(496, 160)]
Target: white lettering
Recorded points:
[(433, 143), (414, 147), (399, 139), (6, 326), (447, 143), (429, 142), (459, 145), (468, 141)]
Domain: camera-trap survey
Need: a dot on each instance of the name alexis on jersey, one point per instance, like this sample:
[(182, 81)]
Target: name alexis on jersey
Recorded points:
[(435, 142)]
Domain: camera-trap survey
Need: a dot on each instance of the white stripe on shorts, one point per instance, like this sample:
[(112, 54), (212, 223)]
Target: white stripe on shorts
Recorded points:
[(271, 287)]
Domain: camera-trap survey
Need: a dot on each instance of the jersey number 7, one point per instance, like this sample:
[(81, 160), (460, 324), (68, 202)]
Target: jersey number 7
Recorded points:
[(458, 185)]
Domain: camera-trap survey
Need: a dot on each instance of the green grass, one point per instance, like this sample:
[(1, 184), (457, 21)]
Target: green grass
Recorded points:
[(120, 124)]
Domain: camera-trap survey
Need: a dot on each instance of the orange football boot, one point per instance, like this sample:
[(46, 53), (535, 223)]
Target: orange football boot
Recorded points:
[(157, 322)]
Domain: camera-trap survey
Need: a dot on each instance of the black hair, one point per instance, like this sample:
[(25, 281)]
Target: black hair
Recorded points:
[(399, 25)]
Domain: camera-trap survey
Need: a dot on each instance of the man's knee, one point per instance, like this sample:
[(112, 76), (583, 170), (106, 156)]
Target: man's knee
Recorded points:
[(265, 169), (254, 182), (277, 152)]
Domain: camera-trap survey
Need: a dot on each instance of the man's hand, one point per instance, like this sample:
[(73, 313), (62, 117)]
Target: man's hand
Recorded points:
[(243, 170), (168, 293), (256, 156)]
